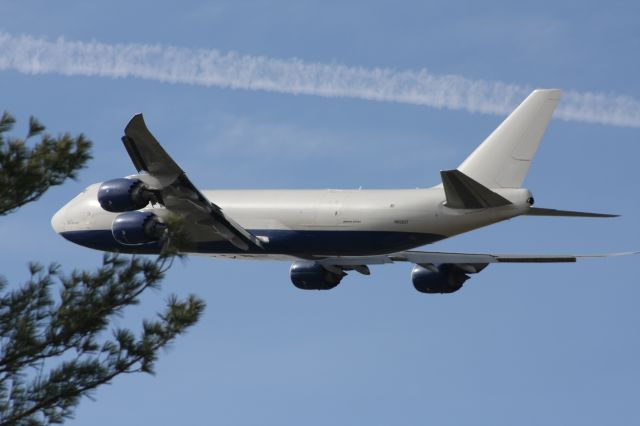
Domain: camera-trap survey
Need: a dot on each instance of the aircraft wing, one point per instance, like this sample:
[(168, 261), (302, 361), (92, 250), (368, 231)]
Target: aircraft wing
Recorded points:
[(176, 192), (470, 262)]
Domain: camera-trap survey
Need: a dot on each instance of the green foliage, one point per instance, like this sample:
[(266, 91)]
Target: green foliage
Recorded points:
[(57, 342), (53, 349), (27, 172)]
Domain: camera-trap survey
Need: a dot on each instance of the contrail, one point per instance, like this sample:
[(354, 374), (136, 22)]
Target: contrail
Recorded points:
[(210, 67)]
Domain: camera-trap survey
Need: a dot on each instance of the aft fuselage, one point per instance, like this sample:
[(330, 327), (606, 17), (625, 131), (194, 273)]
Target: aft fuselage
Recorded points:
[(306, 223)]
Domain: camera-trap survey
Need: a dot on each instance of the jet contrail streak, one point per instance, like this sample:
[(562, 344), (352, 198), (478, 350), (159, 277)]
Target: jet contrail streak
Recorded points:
[(210, 67)]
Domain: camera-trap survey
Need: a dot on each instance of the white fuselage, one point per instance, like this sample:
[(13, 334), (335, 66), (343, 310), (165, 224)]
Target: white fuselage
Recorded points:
[(310, 222), (407, 210)]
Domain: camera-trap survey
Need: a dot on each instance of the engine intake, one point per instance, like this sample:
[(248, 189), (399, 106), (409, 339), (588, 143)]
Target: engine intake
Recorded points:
[(447, 279), (312, 276), (123, 195), (135, 228)]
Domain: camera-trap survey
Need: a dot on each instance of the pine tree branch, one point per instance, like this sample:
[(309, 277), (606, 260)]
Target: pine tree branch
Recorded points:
[(53, 349), (53, 398), (27, 173), (177, 318), (60, 336)]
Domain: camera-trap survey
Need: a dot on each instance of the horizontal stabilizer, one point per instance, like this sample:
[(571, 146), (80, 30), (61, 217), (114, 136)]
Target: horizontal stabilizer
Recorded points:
[(535, 211), (462, 192)]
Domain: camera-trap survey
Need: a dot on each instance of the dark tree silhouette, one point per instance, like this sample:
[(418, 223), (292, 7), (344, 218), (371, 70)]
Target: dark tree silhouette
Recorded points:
[(26, 173), (57, 343)]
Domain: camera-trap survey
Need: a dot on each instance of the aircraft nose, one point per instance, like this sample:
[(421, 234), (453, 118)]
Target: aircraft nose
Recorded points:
[(57, 221)]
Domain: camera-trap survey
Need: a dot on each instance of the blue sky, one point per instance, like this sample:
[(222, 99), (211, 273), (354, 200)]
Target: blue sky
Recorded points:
[(520, 344)]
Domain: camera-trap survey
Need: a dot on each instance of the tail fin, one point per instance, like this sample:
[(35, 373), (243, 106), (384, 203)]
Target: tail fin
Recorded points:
[(503, 159)]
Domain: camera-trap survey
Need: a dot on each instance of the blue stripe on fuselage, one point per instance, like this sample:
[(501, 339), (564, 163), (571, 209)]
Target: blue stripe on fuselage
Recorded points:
[(343, 243)]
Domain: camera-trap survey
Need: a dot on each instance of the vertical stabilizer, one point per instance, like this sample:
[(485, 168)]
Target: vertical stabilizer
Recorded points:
[(503, 159)]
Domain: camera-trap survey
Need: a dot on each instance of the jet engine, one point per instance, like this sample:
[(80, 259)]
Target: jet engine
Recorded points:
[(122, 195), (135, 228), (312, 276), (447, 279)]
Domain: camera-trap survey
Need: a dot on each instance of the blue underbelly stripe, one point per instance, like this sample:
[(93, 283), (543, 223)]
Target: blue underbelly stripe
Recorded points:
[(344, 243)]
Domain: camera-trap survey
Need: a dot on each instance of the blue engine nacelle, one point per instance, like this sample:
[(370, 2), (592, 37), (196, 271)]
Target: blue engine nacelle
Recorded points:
[(312, 276), (447, 279), (123, 195), (135, 228)]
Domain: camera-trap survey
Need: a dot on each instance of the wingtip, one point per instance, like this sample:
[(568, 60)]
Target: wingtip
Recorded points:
[(603, 215), (624, 253), (136, 121), (615, 254), (550, 93)]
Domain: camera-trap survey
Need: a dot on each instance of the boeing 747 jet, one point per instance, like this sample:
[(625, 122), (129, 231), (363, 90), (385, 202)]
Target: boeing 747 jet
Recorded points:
[(323, 233)]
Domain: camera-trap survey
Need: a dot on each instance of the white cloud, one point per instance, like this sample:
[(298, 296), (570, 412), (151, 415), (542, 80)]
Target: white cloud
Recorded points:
[(32, 55)]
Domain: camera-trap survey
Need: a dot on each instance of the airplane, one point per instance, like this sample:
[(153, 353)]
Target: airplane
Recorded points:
[(324, 233)]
